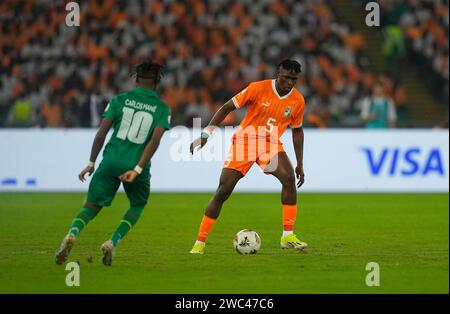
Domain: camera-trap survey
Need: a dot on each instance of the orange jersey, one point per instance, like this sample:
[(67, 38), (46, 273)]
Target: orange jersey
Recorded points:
[(268, 114)]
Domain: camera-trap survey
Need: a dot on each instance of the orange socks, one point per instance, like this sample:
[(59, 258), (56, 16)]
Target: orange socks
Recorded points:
[(205, 228), (289, 215)]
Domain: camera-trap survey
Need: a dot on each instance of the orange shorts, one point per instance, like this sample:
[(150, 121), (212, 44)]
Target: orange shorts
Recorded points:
[(242, 156)]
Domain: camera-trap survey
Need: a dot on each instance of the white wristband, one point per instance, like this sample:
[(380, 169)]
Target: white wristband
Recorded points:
[(138, 169), (91, 164), (207, 131)]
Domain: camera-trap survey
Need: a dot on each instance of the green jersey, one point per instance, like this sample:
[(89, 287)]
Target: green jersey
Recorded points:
[(135, 115)]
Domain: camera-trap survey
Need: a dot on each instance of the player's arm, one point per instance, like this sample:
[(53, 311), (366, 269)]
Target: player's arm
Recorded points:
[(148, 153), (97, 145), (298, 139), (218, 117)]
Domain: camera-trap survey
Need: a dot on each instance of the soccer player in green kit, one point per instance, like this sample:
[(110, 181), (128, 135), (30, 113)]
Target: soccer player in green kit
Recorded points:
[(139, 118)]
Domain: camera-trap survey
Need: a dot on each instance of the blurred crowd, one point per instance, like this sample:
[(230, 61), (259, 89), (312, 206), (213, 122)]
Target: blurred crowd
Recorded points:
[(425, 24), (53, 75)]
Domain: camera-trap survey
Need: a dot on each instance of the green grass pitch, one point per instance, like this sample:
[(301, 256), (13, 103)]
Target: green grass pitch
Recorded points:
[(407, 235)]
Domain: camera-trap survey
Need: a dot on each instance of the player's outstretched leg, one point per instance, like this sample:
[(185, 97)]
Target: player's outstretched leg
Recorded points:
[(84, 216), (285, 174), (228, 180), (128, 221)]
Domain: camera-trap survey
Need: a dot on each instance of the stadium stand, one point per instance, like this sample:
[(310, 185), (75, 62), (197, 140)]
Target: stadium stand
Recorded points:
[(52, 75), (425, 24), (415, 49)]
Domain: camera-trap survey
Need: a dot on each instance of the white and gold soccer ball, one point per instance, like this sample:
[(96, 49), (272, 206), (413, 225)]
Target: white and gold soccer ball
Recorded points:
[(247, 242)]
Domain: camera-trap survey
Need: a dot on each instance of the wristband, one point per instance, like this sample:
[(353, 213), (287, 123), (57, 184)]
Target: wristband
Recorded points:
[(138, 169), (91, 164), (207, 132)]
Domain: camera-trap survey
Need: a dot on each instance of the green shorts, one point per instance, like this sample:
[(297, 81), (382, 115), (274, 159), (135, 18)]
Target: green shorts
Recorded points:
[(104, 186)]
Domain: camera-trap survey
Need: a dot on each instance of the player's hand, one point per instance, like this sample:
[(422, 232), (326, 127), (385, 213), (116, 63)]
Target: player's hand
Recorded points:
[(83, 172), (128, 176), (300, 175), (201, 141)]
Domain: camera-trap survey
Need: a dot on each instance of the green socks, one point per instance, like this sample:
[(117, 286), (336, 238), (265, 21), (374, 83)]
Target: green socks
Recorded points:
[(87, 214), (81, 220), (128, 221)]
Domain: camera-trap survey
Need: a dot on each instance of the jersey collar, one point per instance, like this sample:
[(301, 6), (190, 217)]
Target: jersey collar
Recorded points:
[(146, 91), (276, 92)]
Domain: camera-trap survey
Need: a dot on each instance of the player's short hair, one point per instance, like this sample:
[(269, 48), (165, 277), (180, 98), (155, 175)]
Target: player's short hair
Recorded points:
[(290, 65), (148, 70)]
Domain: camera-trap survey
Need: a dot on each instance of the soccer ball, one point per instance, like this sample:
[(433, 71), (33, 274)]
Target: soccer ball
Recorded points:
[(247, 242)]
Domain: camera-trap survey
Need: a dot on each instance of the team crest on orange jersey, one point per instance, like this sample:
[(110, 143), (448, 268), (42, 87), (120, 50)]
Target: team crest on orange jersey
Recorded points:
[(287, 112)]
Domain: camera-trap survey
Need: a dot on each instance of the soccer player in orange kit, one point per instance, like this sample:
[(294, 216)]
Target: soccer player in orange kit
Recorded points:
[(272, 106)]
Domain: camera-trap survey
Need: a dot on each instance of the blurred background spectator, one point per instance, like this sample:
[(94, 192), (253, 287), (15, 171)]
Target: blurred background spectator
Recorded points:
[(378, 111), (52, 75)]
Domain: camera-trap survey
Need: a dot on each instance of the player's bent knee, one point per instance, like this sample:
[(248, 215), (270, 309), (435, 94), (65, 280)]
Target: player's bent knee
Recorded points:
[(140, 206), (223, 193), (288, 180), (91, 205)]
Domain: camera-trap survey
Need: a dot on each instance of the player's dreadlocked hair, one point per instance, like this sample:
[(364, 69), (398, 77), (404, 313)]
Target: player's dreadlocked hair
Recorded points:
[(290, 65), (148, 70)]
